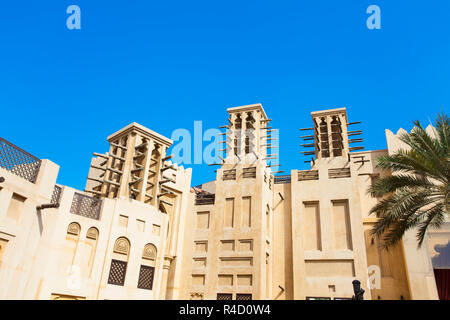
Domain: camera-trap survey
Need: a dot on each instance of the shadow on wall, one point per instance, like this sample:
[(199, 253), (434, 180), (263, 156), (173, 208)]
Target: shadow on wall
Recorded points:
[(442, 260)]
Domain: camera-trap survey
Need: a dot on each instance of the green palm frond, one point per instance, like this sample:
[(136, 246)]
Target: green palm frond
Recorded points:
[(417, 195), (434, 217), (443, 131), (393, 183)]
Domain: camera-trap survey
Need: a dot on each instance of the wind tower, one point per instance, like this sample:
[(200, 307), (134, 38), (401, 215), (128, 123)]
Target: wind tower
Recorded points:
[(135, 166), (240, 252), (330, 136)]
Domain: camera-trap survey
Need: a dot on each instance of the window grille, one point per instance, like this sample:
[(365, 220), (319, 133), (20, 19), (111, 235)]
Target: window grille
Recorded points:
[(146, 275), (86, 206), (56, 194), (224, 296), (243, 296), (117, 272)]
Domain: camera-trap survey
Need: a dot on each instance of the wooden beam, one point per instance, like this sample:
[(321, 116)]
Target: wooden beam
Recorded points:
[(94, 179), (100, 155), (99, 168), (118, 146), (114, 170), (117, 157)]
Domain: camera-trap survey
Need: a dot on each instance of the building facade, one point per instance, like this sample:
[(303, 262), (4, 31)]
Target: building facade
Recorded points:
[(140, 231)]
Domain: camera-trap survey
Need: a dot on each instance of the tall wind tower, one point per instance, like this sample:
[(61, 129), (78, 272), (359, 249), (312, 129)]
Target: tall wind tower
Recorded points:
[(330, 137), (241, 228), (135, 167)]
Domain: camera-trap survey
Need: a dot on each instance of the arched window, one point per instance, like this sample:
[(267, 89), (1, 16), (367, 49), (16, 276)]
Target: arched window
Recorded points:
[(323, 138), (149, 252), (122, 246), (237, 134), (92, 233), (121, 252), (71, 245), (336, 136), (249, 132), (74, 228), (147, 271), (249, 121), (91, 240), (238, 122)]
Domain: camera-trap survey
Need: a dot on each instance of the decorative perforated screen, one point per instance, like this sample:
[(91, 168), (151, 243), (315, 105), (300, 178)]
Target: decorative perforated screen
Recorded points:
[(56, 194), (224, 296), (117, 272), (18, 161), (243, 296), (86, 206), (146, 275)]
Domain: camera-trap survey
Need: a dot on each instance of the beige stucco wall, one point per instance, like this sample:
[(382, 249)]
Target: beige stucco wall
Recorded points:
[(21, 226), (228, 260), (41, 260), (305, 239)]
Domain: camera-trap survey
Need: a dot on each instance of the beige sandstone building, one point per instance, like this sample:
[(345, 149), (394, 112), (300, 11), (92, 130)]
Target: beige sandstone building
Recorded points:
[(139, 231)]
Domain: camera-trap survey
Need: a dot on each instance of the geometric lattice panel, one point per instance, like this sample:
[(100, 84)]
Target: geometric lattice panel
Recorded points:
[(149, 252), (86, 206), (146, 275), (18, 161), (56, 194), (242, 296), (224, 296), (117, 272)]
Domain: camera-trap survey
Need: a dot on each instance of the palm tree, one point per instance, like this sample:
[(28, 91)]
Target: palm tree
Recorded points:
[(417, 194)]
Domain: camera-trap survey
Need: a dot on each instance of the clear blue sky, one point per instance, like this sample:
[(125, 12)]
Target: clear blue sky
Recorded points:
[(63, 92)]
